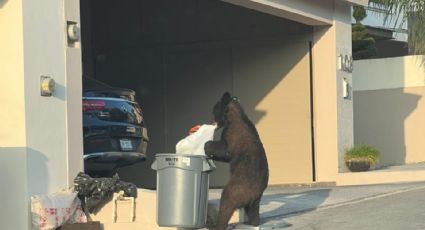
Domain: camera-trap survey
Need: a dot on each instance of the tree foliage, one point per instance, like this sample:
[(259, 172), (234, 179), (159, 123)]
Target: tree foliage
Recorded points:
[(363, 43), (407, 10), (359, 13)]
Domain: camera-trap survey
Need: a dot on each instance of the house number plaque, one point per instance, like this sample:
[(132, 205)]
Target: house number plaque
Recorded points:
[(345, 63)]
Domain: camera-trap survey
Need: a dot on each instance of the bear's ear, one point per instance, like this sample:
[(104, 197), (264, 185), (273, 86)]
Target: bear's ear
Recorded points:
[(226, 98)]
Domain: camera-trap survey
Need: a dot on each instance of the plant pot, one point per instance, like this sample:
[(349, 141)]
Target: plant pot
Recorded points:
[(358, 166)]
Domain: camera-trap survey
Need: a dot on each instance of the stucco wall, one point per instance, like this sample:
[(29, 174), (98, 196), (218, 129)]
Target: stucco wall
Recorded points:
[(13, 173), (332, 113), (345, 105), (12, 122), (273, 84), (44, 53), (325, 108), (34, 134), (389, 109), (388, 73), (53, 124), (14, 213)]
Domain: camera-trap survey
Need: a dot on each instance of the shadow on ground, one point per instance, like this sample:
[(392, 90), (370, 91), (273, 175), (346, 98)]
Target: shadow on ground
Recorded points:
[(281, 204), (275, 204)]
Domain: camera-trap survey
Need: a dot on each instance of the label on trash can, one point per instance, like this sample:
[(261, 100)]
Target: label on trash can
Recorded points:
[(172, 161), (186, 160)]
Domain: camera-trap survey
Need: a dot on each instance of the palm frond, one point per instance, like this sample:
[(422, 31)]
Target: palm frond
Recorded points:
[(400, 11)]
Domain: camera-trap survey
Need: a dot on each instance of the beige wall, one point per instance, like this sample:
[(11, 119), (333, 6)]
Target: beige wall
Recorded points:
[(325, 109), (388, 73), (14, 188), (74, 121), (12, 119), (147, 200), (13, 171), (44, 54), (53, 124), (34, 143), (332, 113), (392, 120), (345, 105), (389, 109), (273, 82)]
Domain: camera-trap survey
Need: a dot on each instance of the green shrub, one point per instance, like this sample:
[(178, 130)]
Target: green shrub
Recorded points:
[(361, 153)]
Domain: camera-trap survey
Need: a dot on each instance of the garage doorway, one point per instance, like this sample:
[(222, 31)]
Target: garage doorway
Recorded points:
[(180, 56)]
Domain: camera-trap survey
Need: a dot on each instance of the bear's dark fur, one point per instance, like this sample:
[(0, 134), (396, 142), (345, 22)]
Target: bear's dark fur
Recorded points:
[(240, 145)]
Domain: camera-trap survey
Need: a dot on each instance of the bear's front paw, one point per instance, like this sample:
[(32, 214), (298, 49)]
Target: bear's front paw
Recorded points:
[(208, 148)]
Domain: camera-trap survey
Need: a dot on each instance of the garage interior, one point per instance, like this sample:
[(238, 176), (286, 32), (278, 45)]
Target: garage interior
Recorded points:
[(181, 56)]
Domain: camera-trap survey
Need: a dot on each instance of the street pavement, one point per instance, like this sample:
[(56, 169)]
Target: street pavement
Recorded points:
[(390, 206), (404, 210)]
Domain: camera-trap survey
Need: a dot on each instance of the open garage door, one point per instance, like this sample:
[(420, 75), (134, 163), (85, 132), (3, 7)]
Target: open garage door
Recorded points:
[(180, 56)]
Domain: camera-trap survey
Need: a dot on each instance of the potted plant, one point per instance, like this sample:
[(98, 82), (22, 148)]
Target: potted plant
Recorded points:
[(361, 158)]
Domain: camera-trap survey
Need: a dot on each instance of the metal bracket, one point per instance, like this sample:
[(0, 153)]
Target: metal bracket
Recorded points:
[(47, 86), (73, 32)]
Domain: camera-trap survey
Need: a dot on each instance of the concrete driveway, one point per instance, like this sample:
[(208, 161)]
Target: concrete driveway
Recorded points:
[(342, 207)]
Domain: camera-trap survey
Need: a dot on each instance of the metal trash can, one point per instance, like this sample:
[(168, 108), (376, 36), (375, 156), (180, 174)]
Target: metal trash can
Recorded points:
[(182, 189)]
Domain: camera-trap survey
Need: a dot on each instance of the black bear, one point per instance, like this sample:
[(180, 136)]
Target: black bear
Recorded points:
[(240, 145)]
